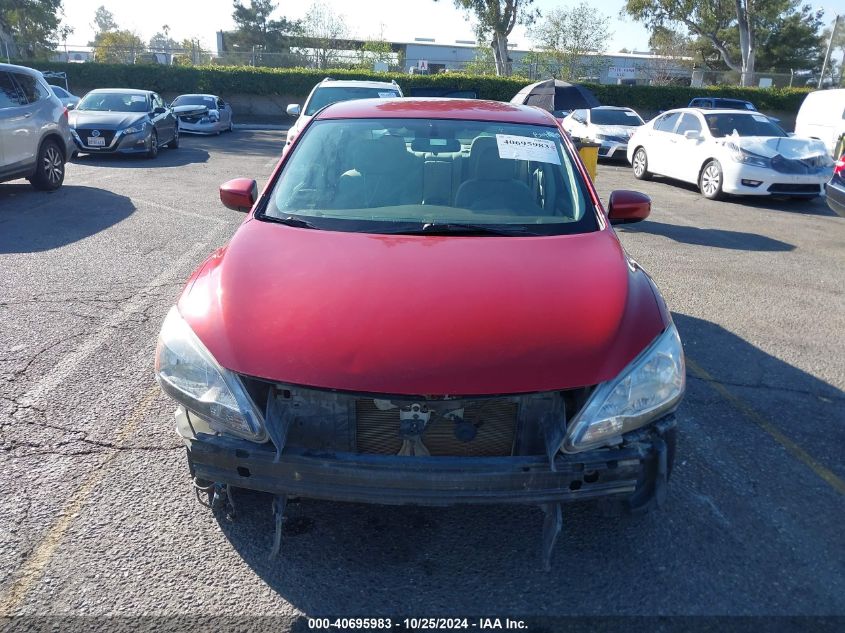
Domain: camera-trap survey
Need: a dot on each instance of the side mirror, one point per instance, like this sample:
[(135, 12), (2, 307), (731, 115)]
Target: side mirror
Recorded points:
[(293, 109), (239, 194), (626, 207), (159, 110), (71, 106), (692, 135)]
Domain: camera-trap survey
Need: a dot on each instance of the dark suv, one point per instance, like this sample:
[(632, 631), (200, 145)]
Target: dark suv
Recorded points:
[(34, 133)]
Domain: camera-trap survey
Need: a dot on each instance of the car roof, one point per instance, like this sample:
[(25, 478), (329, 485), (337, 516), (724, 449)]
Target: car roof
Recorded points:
[(197, 94), (350, 83), (25, 69), (709, 111), (437, 108), (605, 107), (128, 91)]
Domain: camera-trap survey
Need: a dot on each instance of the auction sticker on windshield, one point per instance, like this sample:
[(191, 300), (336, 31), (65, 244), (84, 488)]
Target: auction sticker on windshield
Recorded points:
[(527, 148)]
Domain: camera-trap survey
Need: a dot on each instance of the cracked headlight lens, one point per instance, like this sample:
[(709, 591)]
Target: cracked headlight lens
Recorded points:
[(649, 387), (188, 373)]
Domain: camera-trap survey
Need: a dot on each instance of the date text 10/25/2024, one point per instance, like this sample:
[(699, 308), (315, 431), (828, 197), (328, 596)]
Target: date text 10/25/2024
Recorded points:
[(416, 624)]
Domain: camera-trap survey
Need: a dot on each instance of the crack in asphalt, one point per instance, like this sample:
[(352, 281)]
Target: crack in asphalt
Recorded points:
[(803, 392)]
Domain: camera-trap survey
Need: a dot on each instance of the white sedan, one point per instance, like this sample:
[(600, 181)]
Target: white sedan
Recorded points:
[(729, 151), (202, 114), (609, 126)]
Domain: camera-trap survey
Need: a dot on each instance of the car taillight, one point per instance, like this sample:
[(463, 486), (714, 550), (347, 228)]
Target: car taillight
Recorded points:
[(839, 167), (64, 114)]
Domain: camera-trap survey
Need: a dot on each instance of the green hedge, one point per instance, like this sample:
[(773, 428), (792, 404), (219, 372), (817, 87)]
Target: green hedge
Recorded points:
[(297, 82)]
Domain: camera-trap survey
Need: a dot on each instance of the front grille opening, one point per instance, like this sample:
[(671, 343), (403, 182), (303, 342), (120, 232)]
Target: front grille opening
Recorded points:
[(494, 422)]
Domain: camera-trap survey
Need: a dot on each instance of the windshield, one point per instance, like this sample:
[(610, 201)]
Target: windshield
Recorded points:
[(325, 95), (113, 102), (416, 175), (197, 100), (733, 103), (614, 117), (726, 124)]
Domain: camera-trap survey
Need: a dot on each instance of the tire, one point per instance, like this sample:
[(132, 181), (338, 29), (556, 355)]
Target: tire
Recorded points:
[(49, 168), (710, 180), (174, 144), (640, 165), (152, 151)]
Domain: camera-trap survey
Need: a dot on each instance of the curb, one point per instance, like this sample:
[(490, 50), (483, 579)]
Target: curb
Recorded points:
[(260, 126)]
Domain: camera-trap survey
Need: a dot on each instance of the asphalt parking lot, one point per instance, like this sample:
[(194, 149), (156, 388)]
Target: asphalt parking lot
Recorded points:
[(97, 514)]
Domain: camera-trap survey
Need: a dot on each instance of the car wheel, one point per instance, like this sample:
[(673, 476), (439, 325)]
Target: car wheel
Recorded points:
[(152, 151), (710, 180), (50, 168), (640, 165), (174, 144)]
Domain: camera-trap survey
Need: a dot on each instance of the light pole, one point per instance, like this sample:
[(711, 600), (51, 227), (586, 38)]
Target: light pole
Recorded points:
[(827, 54)]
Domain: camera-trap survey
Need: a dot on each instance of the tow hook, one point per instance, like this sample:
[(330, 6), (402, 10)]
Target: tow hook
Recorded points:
[(218, 497)]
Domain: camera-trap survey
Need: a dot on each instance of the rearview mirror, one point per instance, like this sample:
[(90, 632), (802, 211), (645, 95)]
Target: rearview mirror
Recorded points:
[(626, 207), (293, 109), (692, 135), (239, 194)]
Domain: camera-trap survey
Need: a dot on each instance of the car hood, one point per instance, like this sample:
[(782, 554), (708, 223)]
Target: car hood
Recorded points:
[(791, 147), (104, 120), (191, 110), (421, 315), (623, 131)]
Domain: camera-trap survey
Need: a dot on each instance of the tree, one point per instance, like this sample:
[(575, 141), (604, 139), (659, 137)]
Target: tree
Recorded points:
[(192, 53), (103, 21), (496, 19), (672, 50), (376, 50), (32, 25), (482, 63), (256, 29), (742, 32), (325, 31), (162, 41), (569, 39), (118, 47)]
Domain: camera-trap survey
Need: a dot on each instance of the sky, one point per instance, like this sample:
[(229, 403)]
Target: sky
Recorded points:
[(401, 20)]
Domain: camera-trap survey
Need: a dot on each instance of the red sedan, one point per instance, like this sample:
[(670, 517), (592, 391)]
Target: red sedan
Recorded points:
[(427, 305)]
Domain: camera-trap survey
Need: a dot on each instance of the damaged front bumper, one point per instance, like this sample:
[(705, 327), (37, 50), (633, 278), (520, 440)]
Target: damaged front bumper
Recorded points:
[(637, 469)]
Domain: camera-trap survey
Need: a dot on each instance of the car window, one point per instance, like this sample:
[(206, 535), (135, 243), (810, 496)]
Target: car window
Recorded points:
[(667, 122), (601, 116), (59, 92), (378, 175), (580, 116), (741, 124), (114, 102), (325, 95), (158, 102), (688, 122), (197, 100), (696, 103), (10, 95), (221, 104), (31, 87)]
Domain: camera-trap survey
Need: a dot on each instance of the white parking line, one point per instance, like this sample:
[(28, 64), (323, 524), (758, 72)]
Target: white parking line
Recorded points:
[(169, 209), (99, 337)]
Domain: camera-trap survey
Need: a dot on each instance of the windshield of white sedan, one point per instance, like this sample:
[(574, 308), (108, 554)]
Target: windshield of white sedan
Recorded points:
[(324, 96), (600, 116), (727, 124), (197, 100), (420, 175), (113, 102)]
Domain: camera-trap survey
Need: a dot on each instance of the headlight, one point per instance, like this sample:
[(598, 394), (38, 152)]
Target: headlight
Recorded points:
[(188, 373), (748, 158), (650, 386), (136, 128)]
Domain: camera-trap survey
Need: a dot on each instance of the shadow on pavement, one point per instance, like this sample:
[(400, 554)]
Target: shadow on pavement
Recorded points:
[(266, 143), (32, 221), (352, 559), (166, 158), (716, 238)]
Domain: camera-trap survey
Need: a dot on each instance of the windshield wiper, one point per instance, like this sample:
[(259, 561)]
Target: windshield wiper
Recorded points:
[(291, 221), (460, 228)]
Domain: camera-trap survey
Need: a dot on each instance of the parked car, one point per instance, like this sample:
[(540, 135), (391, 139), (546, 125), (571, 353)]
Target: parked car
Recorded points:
[(822, 116), (34, 133), (69, 100), (721, 103), (608, 125), (728, 151), (835, 189), (428, 305), (121, 121), (331, 91), (214, 117)]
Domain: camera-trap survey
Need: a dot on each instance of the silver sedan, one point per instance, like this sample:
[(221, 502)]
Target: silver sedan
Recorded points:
[(216, 118)]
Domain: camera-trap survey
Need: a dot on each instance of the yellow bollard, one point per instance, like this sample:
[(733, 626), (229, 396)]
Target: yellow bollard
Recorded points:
[(589, 153)]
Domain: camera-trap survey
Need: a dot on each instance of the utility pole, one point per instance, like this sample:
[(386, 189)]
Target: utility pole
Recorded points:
[(829, 46)]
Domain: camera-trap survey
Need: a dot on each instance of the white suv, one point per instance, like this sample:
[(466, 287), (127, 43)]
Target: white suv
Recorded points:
[(34, 132), (331, 91)]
